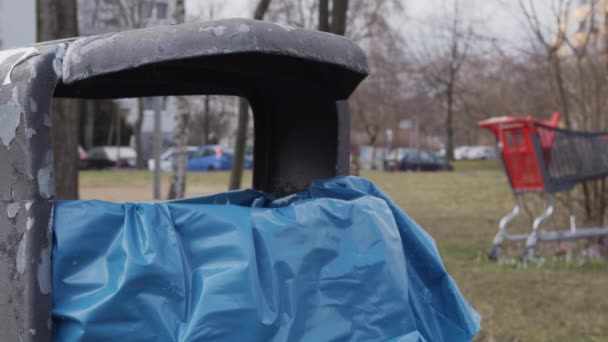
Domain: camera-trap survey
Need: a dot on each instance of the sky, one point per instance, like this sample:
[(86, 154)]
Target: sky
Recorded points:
[(497, 20), (17, 23), (230, 8)]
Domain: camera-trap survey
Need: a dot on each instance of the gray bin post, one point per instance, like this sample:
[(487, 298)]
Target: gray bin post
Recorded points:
[(297, 83)]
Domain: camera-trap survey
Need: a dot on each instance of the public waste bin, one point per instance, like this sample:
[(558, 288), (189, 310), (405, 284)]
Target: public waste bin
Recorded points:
[(309, 255)]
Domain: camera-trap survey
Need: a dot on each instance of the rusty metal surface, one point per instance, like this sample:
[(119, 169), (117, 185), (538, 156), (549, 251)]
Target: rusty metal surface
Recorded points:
[(282, 70)]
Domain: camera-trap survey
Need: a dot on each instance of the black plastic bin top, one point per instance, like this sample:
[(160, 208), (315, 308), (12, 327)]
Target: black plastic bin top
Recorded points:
[(297, 82)]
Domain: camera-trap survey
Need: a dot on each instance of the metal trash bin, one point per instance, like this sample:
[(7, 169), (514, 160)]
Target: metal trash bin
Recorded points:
[(297, 83)]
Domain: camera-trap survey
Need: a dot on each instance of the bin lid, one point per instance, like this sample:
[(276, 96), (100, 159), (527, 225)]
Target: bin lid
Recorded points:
[(218, 57)]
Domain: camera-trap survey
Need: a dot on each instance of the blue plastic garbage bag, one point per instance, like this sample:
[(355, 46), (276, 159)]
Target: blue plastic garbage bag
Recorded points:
[(339, 262)]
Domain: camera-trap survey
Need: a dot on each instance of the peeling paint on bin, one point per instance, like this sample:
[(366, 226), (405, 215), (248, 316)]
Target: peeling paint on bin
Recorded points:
[(10, 117), (216, 31), (47, 120), (45, 182), (30, 132), (21, 255), (12, 209), (25, 53), (29, 223), (33, 105), (244, 28)]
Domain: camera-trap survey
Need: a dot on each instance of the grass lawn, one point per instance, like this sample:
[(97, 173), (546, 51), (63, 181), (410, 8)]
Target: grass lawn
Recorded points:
[(555, 302)]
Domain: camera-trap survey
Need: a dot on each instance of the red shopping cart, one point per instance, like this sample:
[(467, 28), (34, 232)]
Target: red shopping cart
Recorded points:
[(540, 157)]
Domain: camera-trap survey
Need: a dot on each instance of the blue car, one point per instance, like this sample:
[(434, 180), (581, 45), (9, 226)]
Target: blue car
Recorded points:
[(214, 158)]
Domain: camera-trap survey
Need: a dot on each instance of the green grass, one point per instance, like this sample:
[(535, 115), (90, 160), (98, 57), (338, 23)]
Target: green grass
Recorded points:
[(463, 165), (145, 178), (555, 302)]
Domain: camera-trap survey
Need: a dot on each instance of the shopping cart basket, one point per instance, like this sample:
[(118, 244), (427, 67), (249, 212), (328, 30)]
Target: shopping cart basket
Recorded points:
[(543, 158)]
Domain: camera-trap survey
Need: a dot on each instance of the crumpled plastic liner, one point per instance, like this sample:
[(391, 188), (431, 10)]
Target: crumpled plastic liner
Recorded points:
[(339, 262)]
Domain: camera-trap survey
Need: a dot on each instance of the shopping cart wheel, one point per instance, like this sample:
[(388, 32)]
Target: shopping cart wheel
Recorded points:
[(529, 254), (495, 252)]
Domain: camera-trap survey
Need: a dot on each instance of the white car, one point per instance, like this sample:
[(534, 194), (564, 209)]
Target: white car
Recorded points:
[(481, 153), (101, 157), (461, 152), (166, 159)]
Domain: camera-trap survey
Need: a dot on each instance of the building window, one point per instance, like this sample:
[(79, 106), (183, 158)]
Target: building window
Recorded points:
[(161, 10)]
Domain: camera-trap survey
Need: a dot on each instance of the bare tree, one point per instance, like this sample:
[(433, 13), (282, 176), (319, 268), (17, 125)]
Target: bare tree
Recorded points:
[(140, 163), (58, 19), (552, 43), (118, 15), (377, 105), (440, 59), (339, 14), (211, 116), (324, 15), (356, 19)]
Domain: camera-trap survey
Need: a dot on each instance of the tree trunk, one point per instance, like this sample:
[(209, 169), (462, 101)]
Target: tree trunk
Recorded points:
[(241, 143), (206, 121), (338, 17), (261, 9), (605, 42), (117, 116), (139, 147), (324, 15), (449, 125), (177, 189), (57, 19), (236, 174), (559, 82), (65, 148), (89, 125)]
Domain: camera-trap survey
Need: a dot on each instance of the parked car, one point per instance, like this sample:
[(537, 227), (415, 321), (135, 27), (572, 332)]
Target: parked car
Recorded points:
[(101, 157), (481, 153), (393, 159), (423, 160), (249, 151), (83, 158), (461, 152), (215, 158), (166, 159)]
